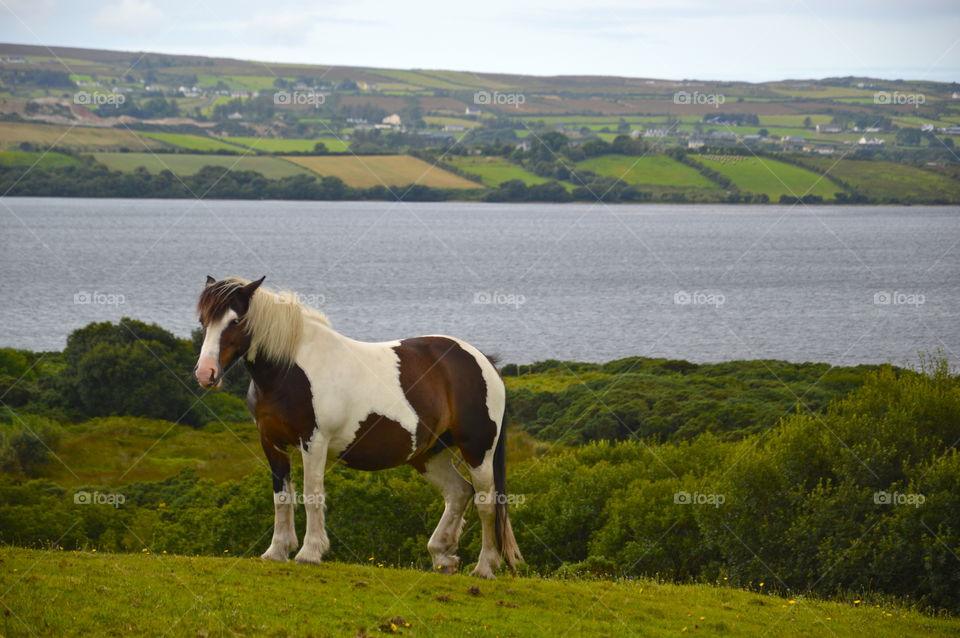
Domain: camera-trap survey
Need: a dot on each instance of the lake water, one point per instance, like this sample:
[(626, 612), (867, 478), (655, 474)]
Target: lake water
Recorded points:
[(530, 282)]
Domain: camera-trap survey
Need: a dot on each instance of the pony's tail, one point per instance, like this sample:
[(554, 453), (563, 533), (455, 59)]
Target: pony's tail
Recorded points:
[(506, 542)]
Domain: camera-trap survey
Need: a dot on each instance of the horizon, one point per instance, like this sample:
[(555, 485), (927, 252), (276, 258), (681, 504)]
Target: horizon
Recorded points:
[(288, 63), (694, 40)]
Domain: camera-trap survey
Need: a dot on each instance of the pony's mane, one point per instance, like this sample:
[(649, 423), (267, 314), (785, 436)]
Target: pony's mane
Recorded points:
[(274, 320)]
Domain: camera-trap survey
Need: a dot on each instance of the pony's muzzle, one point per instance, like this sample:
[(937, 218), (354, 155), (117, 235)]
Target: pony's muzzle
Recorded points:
[(207, 373)]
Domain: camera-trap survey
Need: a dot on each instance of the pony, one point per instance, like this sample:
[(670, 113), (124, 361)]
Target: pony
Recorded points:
[(421, 401)]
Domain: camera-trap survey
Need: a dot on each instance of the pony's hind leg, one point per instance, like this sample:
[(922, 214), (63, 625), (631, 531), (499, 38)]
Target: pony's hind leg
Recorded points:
[(284, 499), (441, 473), (486, 501)]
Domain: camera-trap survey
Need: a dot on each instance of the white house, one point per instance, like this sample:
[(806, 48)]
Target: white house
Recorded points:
[(472, 110), (870, 141), (829, 128), (392, 120), (695, 143)]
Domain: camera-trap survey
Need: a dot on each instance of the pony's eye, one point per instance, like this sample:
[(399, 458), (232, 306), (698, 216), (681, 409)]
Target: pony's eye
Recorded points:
[(234, 322)]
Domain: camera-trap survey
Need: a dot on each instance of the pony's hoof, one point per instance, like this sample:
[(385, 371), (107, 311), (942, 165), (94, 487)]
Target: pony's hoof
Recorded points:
[(483, 573), (274, 557), (308, 558)]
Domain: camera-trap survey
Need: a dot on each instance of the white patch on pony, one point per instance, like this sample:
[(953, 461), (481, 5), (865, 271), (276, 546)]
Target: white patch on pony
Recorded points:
[(210, 350), (349, 381)]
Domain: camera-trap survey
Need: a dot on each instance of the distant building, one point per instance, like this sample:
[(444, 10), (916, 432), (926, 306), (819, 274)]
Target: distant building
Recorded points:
[(392, 120), (951, 130), (655, 132), (472, 110), (235, 116), (870, 141), (454, 127), (829, 128), (525, 145), (695, 143)]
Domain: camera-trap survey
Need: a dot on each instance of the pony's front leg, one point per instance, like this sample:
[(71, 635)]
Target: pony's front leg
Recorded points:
[(284, 498), (315, 542)]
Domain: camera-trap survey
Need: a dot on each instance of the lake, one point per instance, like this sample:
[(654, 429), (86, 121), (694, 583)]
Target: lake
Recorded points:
[(530, 282)]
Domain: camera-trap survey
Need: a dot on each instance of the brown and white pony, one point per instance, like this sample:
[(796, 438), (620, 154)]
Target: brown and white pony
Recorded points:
[(371, 406)]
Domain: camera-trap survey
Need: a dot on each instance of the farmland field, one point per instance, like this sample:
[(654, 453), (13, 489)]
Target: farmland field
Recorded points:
[(154, 594), (765, 175), (889, 180), (84, 138), (43, 160), (189, 163), (657, 170), (192, 142), (494, 170), (377, 170), (274, 145)]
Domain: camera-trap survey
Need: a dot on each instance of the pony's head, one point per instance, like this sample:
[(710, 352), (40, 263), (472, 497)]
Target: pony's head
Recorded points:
[(223, 308)]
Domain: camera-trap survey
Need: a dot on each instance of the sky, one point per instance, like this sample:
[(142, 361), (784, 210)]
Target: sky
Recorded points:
[(670, 39)]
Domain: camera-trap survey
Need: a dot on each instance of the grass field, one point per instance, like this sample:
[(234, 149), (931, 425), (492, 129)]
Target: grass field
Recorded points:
[(891, 180), (189, 163), (494, 170), (656, 170), (43, 160), (191, 142), (54, 593), (86, 138), (765, 175), (273, 145), (112, 451), (377, 170)]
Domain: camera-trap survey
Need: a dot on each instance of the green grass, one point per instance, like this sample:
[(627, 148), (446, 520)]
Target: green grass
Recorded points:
[(90, 594), (112, 451), (765, 175), (494, 170), (27, 159), (889, 180), (86, 138), (188, 163), (555, 380), (274, 145), (191, 142), (237, 82), (656, 170)]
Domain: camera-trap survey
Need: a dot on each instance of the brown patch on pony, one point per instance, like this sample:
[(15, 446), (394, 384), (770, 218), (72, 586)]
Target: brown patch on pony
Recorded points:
[(445, 385), (281, 402), (380, 443)]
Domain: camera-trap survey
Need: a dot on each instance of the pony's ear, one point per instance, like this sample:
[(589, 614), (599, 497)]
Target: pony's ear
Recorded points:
[(210, 280), (247, 291)]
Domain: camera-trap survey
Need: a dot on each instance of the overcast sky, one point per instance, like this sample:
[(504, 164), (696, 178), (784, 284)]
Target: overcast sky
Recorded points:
[(675, 39)]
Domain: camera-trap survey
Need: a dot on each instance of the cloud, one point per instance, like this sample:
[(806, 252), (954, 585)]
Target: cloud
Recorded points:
[(132, 15)]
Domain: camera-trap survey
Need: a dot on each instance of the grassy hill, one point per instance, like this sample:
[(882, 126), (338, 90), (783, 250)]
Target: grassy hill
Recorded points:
[(494, 170), (87, 138), (388, 170), (91, 594), (653, 170), (190, 163), (766, 175), (888, 180)]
